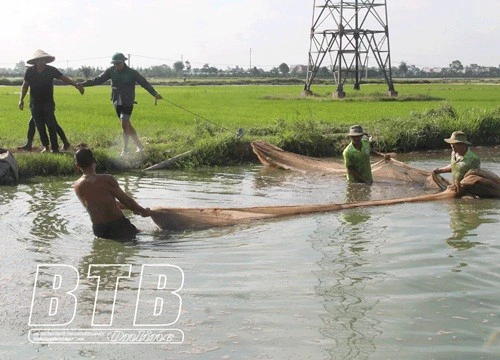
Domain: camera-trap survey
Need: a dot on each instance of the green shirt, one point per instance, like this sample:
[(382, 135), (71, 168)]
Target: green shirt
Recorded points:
[(461, 164), (359, 160), (122, 84)]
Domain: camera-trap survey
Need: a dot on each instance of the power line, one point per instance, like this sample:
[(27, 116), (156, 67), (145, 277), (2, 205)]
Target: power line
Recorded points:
[(87, 59), (201, 62)]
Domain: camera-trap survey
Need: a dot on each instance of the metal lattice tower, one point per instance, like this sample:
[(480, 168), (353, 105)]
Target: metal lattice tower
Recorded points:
[(346, 33)]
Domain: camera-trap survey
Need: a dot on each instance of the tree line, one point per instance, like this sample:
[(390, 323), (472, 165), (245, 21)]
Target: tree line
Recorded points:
[(184, 69)]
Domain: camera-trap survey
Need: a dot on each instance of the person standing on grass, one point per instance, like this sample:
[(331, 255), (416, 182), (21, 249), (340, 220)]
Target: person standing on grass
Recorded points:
[(357, 156), (462, 159), (123, 80), (31, 135), (40, 80), (103, 198)]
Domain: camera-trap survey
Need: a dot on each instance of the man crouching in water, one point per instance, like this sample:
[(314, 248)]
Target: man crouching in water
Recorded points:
[(103, 198)]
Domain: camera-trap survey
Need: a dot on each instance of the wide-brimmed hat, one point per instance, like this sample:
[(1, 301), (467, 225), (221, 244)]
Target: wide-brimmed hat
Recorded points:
[(458, 137), (40, 54), (356, 130), (118, 58)]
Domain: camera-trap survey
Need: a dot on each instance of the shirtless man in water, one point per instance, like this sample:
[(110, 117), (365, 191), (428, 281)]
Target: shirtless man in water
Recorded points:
[(103, 198)]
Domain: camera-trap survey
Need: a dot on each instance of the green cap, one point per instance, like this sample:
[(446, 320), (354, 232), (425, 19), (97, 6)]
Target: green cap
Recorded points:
[(118, 58)]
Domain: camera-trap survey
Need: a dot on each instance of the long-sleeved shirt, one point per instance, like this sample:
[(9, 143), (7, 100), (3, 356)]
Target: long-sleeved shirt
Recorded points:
[(122, 84)]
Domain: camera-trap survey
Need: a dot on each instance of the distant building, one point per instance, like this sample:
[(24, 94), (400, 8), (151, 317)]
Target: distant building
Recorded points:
[(432, 69), (298, 69)]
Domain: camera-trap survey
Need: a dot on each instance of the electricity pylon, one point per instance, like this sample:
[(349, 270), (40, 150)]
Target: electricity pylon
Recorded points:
[(346, 32)]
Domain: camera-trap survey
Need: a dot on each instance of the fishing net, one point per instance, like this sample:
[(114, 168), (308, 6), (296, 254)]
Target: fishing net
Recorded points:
[(481, 183), (203, 218), (478, 183), (274, 156)]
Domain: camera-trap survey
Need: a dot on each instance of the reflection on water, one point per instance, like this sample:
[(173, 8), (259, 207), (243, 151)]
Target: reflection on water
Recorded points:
[(7, 194), (466, 215), (108, 252), (341, 283), (45, 198), (357, 192), (367, 283)]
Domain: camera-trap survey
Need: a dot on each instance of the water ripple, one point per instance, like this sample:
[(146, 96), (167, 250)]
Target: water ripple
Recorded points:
[(403, 281)]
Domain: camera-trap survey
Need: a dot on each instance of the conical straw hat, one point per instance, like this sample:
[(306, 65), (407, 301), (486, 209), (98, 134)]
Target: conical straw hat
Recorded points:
[(40, 54)]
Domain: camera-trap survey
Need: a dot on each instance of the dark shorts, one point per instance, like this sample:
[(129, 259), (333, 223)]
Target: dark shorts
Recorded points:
[(124, 112), (119, 229)]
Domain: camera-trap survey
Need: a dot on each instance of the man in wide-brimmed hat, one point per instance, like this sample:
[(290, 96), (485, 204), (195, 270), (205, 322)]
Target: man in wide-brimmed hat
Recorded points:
[(123, 80), (462, 159), (40, 80), (357, 156)]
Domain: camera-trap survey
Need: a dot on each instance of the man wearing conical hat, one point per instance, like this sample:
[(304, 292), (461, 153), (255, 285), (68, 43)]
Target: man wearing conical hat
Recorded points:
[(123, 80), (40, 80), (462, 159)]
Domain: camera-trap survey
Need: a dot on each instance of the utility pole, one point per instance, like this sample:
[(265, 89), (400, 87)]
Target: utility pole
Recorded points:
[(250, 59), (345, 32), (128, 60)]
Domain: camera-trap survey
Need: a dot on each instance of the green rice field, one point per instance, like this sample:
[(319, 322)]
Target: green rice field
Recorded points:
[(211, 115)]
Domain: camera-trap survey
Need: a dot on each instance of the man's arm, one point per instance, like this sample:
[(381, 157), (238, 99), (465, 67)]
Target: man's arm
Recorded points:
[(455, 183), (458, 187), (446, 169), (24, 91), (141, 80), (386, 156), (126, 200), (98, 80), (68, 81)]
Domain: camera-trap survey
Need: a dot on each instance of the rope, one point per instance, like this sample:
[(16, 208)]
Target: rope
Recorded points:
[(238, 134)]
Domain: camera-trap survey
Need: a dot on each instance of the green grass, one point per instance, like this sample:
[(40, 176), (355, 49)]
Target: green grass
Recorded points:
[(419, 118)]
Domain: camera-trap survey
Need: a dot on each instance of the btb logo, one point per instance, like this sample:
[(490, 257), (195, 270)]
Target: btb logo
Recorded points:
[(54, 305)]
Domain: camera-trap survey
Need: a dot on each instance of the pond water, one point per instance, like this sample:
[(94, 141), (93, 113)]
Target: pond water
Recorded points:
[(409, 281)]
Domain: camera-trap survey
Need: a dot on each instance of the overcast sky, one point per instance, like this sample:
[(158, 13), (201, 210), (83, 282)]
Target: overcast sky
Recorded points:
[(425, 33)]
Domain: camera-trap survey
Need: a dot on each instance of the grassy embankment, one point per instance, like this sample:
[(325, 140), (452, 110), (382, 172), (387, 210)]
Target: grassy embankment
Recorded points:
[(419, 118)]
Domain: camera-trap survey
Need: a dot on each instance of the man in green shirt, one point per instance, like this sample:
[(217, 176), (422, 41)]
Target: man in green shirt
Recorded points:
[(357, 156), (123, 80), (462, 159)]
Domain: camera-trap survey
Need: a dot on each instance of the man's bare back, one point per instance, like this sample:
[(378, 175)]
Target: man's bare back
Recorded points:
[(103, 198), (97, 194)]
